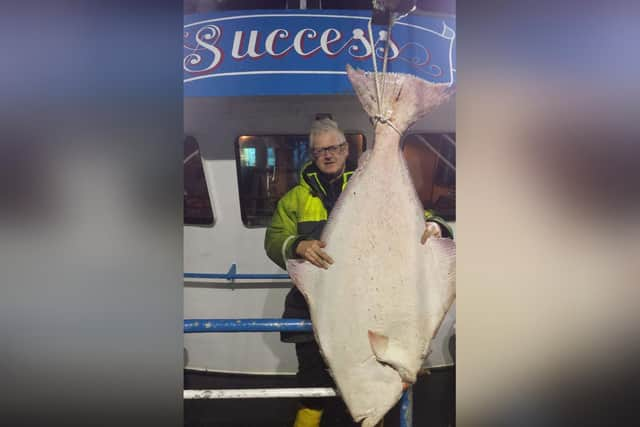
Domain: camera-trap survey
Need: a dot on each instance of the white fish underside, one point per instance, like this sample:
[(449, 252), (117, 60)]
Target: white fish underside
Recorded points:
[(383, 280)]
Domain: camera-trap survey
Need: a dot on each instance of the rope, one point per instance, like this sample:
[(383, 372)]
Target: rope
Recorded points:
[(380, 118), (385, 58), (375, 66)]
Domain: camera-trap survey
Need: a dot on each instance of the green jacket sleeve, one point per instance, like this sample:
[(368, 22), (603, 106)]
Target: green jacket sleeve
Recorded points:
[(447, 231), (282, 233)]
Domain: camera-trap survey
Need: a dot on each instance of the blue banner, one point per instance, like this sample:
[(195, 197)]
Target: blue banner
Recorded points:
[(284, 52)]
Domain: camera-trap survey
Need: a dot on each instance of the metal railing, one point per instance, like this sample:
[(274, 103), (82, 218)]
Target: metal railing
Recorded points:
[(232, 274), (272, 325)]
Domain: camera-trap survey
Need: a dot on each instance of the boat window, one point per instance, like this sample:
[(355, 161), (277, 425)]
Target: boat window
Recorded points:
[(432, 174), (268, 166), (197, 204)]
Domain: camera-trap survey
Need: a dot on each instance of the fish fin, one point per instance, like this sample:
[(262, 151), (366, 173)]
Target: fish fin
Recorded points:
[(379, 344), (441, 259), (363, 159), (364, 87), (444, 268), (405, 98), (303, 274), (445, 249), (391, 353)]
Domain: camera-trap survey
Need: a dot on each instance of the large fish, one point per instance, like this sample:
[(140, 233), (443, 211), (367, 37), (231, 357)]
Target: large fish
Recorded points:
[(375, 310)]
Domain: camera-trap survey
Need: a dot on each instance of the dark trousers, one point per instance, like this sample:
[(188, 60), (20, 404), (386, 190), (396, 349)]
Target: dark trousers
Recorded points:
[(313, 372)]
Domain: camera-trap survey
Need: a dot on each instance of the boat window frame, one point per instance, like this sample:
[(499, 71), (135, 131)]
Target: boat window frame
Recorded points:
[(243, 215), (425, 134), (197, 156)]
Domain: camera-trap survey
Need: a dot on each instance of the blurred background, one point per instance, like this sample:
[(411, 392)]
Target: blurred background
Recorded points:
[(548, 225)]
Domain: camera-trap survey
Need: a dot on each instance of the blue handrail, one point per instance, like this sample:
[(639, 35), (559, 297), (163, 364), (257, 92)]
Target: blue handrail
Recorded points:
[(232, 275), (280, 325), (406, 409), (247, 325)]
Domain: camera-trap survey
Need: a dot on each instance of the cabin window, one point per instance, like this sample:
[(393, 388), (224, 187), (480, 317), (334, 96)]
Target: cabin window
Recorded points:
[(435, 181), (197, 204), (268, 167)]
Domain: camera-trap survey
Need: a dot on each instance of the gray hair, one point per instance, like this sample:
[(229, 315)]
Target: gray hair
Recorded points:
[(323, 126)]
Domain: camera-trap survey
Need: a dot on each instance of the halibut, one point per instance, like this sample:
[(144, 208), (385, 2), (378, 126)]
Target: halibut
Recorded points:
[(376, 309)]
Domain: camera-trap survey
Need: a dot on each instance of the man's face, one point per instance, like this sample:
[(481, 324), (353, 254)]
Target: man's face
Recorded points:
[(329, 153)]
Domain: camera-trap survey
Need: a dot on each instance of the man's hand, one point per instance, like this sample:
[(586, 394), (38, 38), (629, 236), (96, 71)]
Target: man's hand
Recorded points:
[(311, 250), (432, 230)]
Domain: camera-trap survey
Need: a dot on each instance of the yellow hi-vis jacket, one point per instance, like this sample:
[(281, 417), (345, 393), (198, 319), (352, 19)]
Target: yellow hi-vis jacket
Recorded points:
[(301, 215)]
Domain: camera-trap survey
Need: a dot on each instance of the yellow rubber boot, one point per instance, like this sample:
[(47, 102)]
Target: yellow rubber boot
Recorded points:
[(307, 417)]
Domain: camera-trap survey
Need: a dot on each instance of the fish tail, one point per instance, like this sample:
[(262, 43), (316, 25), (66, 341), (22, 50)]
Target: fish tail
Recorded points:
[(399, 98)]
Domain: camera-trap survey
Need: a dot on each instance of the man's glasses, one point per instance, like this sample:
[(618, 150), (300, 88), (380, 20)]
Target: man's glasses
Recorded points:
[(332, 149)]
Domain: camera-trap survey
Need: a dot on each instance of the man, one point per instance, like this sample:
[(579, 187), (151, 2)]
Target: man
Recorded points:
[(295, 232)]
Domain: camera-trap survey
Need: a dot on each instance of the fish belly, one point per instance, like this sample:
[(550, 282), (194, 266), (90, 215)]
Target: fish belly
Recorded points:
[(378, 283)]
